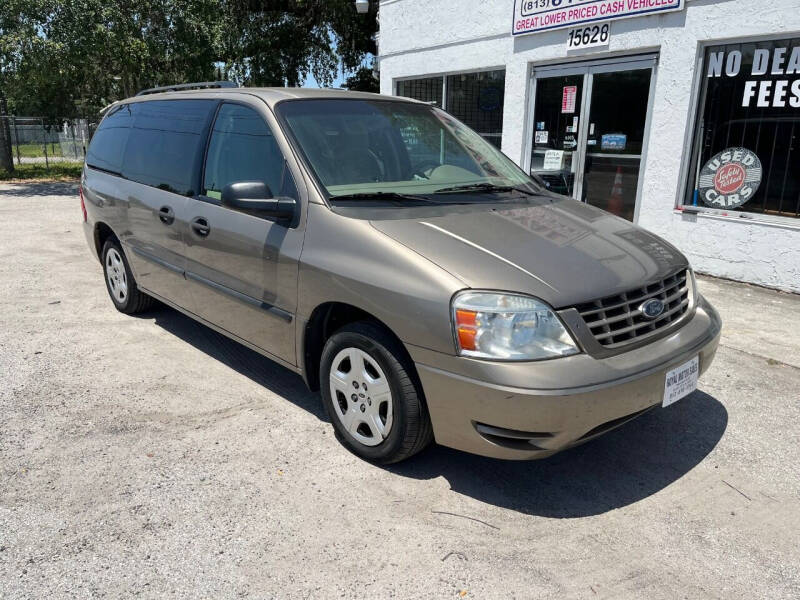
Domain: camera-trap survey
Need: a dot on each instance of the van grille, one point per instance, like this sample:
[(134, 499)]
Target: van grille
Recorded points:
[(616, 320)]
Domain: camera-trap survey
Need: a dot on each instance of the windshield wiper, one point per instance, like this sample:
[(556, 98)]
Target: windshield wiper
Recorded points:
[(389, 196), (483, 187)]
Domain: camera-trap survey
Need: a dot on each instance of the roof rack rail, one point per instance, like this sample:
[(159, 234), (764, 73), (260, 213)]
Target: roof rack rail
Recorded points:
[(188, 86)]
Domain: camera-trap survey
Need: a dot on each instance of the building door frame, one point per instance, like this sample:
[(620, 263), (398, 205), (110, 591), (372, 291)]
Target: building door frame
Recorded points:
[(588, 69)]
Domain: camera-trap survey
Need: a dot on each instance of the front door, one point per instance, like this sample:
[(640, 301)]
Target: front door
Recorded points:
[(242, 268), (589, 124)]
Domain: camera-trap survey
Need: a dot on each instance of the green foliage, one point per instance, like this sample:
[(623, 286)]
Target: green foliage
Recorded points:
[(39, 171), (36, 150), (72, 57), (274, 42), (363, 80)]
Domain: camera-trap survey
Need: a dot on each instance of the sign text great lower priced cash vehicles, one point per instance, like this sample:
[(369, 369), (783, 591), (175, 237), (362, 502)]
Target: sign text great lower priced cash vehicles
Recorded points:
[(531, 16)]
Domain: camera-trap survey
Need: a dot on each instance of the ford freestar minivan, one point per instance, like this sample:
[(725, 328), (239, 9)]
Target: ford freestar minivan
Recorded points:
[(404, 266)]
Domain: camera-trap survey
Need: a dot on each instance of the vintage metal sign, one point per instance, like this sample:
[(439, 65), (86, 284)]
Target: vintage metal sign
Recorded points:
[(730, 178), (531, 16)]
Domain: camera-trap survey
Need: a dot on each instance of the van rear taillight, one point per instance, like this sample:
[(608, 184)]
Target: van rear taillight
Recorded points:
[(83, 205)]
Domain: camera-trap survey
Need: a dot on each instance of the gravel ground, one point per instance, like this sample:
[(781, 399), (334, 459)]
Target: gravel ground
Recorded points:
[(152, 457)]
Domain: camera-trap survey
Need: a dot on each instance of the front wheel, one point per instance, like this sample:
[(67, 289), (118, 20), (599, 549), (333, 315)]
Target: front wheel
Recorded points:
[(370, 395)]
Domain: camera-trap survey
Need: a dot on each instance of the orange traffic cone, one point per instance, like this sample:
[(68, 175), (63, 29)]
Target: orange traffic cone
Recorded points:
[(615, 201)]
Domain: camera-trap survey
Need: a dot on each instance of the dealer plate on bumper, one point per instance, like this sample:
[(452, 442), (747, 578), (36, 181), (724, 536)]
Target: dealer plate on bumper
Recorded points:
[(681, 381)]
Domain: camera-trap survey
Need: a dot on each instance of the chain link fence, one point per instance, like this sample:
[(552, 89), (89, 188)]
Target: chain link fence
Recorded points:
[(35, 140)]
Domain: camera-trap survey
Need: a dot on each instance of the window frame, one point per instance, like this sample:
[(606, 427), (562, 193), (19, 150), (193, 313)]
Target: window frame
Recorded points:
[(204, 155), (698, 94), (196, 177), (443, 76)]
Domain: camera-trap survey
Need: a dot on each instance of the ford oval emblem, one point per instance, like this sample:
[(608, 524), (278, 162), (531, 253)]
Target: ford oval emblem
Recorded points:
[(652, 309)]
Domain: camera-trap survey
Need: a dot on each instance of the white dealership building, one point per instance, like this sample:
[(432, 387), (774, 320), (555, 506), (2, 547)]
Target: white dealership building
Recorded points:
[(680, 115)]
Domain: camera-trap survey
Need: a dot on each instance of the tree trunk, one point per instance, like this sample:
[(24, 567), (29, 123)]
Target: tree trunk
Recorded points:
[(6, 157)]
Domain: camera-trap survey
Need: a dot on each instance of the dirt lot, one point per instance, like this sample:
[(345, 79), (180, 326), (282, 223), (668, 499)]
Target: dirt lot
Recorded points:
[(152, 457)]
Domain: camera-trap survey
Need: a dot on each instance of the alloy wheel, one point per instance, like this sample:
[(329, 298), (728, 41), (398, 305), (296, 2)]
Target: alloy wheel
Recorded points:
[(117, 278)]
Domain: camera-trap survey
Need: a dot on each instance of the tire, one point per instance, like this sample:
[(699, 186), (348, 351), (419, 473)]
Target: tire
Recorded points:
[(386, 368), (120, 283)]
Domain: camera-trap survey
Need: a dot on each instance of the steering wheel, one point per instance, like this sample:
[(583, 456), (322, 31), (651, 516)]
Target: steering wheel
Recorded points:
[(423, 166)]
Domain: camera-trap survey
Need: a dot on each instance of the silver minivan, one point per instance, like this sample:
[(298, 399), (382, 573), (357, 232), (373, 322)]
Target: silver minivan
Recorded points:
[(412, 273)]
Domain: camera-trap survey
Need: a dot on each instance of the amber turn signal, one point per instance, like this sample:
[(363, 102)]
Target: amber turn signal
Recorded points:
[(467, 328)]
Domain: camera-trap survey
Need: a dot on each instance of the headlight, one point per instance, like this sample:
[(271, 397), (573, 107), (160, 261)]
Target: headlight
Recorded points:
[(508, 327)]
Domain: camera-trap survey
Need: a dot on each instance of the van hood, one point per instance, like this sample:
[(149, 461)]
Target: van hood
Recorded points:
[(561, 251)]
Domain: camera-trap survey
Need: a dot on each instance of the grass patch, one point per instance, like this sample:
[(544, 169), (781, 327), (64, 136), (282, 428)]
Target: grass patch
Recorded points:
[(66, 171), (37, 150)]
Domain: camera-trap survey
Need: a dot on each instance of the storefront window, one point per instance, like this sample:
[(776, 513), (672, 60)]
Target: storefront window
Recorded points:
[(428, 89), (476, 99), (746, 150)]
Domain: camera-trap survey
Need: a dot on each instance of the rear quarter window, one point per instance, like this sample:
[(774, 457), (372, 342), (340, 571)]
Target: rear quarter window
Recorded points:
[(107, 148), (164, 143)]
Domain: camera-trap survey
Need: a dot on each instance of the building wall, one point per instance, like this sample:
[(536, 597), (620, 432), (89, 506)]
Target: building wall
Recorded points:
[(420, 37)]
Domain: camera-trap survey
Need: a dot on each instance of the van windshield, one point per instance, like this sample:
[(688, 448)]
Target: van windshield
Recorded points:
[(383, 147)]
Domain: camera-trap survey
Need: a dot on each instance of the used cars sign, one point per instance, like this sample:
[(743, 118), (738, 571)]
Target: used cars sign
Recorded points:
[(730, 178), (531, 16)]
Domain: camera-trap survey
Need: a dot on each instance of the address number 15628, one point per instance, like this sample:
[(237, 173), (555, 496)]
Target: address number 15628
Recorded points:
[(591, 35)]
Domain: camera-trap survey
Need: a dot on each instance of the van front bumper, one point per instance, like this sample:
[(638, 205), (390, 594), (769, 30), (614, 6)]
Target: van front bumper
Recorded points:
[(534, 409)]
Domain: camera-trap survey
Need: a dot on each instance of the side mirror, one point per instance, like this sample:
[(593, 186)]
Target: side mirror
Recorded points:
[(256, 197)]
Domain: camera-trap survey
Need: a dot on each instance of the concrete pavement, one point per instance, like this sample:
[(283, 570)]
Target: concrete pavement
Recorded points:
[(152, 457)]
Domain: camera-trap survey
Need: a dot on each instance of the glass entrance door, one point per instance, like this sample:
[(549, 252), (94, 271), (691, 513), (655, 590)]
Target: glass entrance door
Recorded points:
[(559, 100), (589, 124)]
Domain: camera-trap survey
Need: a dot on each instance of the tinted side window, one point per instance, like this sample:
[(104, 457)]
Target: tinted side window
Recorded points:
[(108, 142), (242, 148), (164, 143)]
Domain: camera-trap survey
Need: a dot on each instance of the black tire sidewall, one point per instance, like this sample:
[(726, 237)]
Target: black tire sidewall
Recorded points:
[(122, 306), (392, 445)]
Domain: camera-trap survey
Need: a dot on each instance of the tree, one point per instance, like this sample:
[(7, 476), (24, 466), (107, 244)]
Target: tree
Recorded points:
[(63, 58), (6, 156), (274, 42), (363, 80), (18, 37), (75, 56)]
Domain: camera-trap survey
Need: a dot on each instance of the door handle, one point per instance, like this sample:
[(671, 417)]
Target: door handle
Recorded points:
[(166, 215), (200, 226)]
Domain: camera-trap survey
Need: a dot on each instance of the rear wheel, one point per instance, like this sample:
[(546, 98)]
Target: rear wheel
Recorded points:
[(120, 283), (371, 398)]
